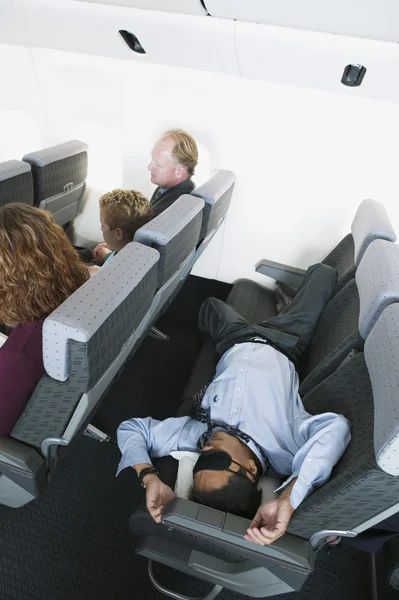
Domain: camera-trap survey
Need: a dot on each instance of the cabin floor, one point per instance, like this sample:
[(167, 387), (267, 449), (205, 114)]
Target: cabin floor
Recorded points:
[(74, 542)]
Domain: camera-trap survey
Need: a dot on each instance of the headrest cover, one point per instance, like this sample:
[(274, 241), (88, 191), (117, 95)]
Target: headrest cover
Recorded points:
[(83, 313), (371, 222), (377, 279), (215, 187), (13, 168), (41, 158), (381, 352)]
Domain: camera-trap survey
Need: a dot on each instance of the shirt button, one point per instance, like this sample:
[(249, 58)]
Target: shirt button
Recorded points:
[(241, 369), (309, 459), (235, 410), (246, 357), (238, 389)]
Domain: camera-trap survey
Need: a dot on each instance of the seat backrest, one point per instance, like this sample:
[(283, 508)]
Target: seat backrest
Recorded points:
[(216, 193), (341, 258), (16, 184), (382, 358), (365, 482), (83, 338), (371, 222), (377, 280), (174, 233), (336, 334), (350, 315), (59, 175)]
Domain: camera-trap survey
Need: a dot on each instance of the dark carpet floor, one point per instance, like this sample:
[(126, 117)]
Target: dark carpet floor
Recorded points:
[(74, 543)]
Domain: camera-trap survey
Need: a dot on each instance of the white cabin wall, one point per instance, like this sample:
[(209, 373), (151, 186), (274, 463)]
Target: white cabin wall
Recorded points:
[(304, 159), (22, 120)]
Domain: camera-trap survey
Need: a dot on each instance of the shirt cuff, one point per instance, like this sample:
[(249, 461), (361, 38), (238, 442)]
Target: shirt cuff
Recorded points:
[(298, 493), (133, 457)]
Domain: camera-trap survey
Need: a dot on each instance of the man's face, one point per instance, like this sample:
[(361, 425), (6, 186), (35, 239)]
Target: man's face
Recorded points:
[(238, 451), (165, 171), (112, 237)]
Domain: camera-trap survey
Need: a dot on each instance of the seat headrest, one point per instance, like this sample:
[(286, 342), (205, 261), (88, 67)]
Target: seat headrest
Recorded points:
[(42, 158), (377, 279), (16, 183), (96, 302), (217, 185), (381, 352), (371, 222)]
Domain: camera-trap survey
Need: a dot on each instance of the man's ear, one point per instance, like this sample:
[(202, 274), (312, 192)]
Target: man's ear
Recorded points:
[(119, 234), (252, 468), (180, 172)]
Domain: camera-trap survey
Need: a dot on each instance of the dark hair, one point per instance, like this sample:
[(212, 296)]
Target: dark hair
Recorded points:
[(239, 496)]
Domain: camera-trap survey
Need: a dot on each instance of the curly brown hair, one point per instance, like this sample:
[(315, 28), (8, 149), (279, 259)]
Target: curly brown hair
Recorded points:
[(127, 209), (39, 268)]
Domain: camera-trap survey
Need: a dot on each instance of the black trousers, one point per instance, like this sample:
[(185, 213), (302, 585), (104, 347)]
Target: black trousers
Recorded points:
[(290, 331), (373, 539)]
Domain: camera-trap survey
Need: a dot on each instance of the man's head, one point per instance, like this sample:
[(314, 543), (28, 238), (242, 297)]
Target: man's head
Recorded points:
[(227, 479), (173, 158), (122, 212)]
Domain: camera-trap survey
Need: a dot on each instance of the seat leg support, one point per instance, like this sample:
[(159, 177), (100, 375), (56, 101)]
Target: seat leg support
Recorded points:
[(210, 596), (158, 334), (96, 434)]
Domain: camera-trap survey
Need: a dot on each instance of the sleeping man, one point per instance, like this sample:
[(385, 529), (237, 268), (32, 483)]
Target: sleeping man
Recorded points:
[(250, 420)]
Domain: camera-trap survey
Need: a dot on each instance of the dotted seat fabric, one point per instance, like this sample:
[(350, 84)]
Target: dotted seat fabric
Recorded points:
[(358, 489), (254, 302), (16, 182), (377, 279), (54, 168), (336, 334), (174, 234), (341, 258), (84, 336), (371, 222), (216, 193), (382, 358)]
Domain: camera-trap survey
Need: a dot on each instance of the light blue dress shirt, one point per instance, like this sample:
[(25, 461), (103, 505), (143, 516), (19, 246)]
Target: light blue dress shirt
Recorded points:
[(256, 389), (109, 257)]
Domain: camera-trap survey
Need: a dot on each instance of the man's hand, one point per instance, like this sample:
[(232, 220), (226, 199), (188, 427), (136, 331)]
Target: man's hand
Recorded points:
[(157, 494), (97, 248), (100, 253), (270, 522)]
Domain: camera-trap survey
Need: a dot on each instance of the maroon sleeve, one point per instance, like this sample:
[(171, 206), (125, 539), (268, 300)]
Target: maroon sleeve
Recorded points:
[(16, 387)]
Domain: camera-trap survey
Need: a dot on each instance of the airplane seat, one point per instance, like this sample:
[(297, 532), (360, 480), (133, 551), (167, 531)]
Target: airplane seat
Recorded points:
[(370, 222), (174, 234), (337, 334), (363, 488), (86, 341), (216, 193), (59, 178), (16, 183)]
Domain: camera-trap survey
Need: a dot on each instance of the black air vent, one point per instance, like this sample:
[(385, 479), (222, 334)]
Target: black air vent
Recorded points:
[(132, 41)]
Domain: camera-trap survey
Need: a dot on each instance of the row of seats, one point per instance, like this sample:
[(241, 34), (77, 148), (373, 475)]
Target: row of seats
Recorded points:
[(52, 179), (92, 334), (352, 369)]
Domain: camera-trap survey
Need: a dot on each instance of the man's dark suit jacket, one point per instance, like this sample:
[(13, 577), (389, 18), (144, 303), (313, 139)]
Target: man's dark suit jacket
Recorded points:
[(161, 203)]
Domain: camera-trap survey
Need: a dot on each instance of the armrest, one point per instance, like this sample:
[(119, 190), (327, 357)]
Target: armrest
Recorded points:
[(22, 472), (228, 531), (284, 273), (17, 455)]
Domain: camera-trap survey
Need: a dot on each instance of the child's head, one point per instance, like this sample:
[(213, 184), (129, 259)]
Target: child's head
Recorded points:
[(122, 212)]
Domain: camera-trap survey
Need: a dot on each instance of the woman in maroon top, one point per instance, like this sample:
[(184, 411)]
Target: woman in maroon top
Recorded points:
[(39, 269)]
